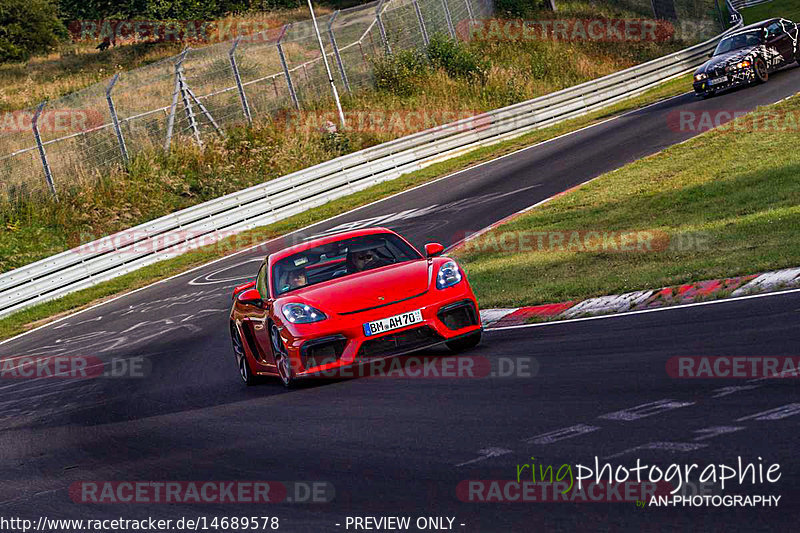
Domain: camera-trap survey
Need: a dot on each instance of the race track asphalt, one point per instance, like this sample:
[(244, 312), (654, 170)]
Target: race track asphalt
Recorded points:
[(394, 446)]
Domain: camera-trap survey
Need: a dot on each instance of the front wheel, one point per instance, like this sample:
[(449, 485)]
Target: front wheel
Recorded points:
[(706, 96), (464, 343), (282, 361), (762, 74), (245, 372)]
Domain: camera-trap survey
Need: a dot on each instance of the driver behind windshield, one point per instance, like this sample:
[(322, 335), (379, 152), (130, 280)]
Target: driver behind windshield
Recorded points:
[(359, 261), (296, 279), (340, 258)]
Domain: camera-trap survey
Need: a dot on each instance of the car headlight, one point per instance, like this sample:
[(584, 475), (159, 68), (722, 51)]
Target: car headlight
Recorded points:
[(449, 275), (700, 77), (738, 66), (302, 313)]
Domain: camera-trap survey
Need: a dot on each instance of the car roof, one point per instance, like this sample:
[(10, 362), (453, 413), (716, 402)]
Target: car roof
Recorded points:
[(758, 25), (339, 236)]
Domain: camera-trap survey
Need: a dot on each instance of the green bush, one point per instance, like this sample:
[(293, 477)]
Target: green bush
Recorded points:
[(456, 58), (28, 27), (400, 72), (336, 143)]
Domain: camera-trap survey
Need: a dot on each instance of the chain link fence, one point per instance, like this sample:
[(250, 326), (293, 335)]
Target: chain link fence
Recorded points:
[(202, 91)]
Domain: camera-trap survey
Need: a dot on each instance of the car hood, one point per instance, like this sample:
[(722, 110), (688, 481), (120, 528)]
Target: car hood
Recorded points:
[(368, 290), (723, 60)]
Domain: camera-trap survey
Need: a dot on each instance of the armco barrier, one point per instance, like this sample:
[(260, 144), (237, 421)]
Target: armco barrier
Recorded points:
[(278, 199), (743, 4)]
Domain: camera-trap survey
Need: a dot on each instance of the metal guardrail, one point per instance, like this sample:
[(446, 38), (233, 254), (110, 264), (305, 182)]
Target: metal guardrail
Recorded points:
[(743, 4), (281, 198)]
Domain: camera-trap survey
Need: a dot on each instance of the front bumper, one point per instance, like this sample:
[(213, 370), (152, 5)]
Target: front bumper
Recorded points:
[(736, 78), (340, 341)]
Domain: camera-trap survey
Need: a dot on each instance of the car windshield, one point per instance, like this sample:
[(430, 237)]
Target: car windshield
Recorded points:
[(740, 40), (339, 259)]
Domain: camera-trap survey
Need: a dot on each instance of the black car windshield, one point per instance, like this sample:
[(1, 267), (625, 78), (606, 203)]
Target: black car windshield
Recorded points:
[(740, 40), (339, 259)]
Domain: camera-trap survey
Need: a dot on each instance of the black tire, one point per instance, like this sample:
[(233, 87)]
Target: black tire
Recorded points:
[(467, 342), (761, 71), (282, 362), (245, 372), (706, 96)]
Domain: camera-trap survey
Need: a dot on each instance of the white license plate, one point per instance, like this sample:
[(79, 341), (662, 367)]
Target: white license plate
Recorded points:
[(393, 322), (717, 81)]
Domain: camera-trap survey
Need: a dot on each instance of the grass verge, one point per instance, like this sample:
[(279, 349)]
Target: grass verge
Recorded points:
[(726, 203), (789, 9), (42, 313)]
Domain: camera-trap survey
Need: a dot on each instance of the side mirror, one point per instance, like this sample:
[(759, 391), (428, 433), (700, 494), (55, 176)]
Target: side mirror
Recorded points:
[(242, 287), (432, 249), (251, 297)]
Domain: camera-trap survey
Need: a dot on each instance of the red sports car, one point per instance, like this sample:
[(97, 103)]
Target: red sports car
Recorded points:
[(349, 299)]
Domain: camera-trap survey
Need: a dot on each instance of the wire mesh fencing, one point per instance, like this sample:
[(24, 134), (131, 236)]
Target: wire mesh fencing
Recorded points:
[(203, 91)]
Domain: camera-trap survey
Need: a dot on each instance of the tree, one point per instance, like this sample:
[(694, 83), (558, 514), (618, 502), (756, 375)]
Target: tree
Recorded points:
[(28, 27)]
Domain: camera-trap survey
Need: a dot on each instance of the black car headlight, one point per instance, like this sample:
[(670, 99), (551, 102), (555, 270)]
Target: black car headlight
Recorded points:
[(449, 275), (700, 77), (302, 313), (738, 66)]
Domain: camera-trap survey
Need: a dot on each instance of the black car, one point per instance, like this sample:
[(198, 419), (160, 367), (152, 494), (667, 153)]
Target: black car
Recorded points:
[(748, 56)]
